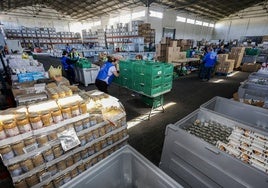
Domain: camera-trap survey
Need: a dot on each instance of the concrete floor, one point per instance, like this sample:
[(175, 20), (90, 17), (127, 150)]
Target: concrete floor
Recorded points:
[(187, 94)]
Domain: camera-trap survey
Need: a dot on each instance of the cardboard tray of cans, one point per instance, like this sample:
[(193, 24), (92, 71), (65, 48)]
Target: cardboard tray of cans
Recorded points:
[(36, 158), (199, 152), (247, 114), (124, 168)]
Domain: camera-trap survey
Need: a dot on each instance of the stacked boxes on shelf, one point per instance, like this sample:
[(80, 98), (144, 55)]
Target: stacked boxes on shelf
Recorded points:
[(224, 65), (145, 30), (148, 78), (185, 44), (237, 54), (48, 144)]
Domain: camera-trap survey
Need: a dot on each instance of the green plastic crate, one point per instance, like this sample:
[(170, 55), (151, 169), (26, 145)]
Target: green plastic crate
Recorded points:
[(153, 102), (118, 80), (148, 80), (150, 91), (167, 78), (166, 87), (167, 68), (127, 82), (148, 68)]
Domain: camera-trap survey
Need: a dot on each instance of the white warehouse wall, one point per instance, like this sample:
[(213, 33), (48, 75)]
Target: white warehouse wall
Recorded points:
[(235, 28)]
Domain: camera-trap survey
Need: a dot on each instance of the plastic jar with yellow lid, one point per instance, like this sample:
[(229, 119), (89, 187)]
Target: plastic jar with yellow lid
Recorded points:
[(74, 173), (42, 140), (81, 168), (56, 115), (97, 146), (38, 160), (29, 141), (10, 128), (18, 148), (77, 157), (52, 169), (2, 132), (66, 112), (52, 135), (46, 118), (15, 170), (69, 161), (93, 121), (57, 150), (21, 184), (110, 140), (84, 153), (91, 150), (27, 165), (82, 139), (102, 131), (95, 133), (54, 95), (103, 143), (48, 155), (36, 121), (61, 94), (61, 165), (100, 157), (89, 137), (83, 107), (32, 180), (23, 124), (86, 123), (78, 126), (68, 92), (6, 152), (75, 109)]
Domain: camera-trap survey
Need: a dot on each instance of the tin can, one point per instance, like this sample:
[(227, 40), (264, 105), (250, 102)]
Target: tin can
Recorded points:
[(2, 132), (27, 165), (100, 157), (52, 135), (74, 173), (81, 168), (48, 185), (15, 169), (84, 153), (46, 118), (53, 169), (97, 146), (56, 115), (32, 180), (48, 155), (75, 110), (77, 157), (115, 137), (58, 181), (108, 128), (89, 137), (102, 131), (10, 128), (93, 120), (82, 139), (20, 184), (83, 107), (38, 160), (36, 121), (29, 141), (66, 112), (88, 164), (6, 152), (69, 161), (91, 150), (66, 177), (41, 172), (78, 126), (58, 151), (103, 143), (110, 140), (18, 148), (23, 124), (99, 119), (42, 140), (95, 133), (86, 123), (61, 165)]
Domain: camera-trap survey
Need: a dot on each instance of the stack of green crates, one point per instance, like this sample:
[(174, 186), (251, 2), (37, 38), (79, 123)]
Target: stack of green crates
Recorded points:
[(149, 78), (153, 102), (83, 63)]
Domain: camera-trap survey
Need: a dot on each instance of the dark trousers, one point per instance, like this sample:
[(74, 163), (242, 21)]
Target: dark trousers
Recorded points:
[(206, 72), (101, 85), (70, 75)]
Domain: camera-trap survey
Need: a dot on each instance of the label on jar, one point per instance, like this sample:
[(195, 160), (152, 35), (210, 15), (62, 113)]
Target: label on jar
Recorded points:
[(49, 157), (91, 151), (93, 122), (83, 142), (37, 125), (86, 125), (25, 128), (45, 176), (8, 155), (68, 139), (75, 112), (57, 119), (79, 128), (12, 132), (16, 172), (30, 148), (2, 135)]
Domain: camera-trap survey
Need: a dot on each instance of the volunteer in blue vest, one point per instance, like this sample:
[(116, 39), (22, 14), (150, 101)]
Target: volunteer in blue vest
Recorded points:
[(209, 62), (68, 67), (106, 74)]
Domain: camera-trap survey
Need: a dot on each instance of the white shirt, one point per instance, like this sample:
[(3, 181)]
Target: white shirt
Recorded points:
[(110, 73)]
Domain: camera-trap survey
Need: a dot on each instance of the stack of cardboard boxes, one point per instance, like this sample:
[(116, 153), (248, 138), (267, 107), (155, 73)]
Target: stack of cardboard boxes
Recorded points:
[(185, 44), (237, 54), (169, 51), (145, 30), (224, 65)]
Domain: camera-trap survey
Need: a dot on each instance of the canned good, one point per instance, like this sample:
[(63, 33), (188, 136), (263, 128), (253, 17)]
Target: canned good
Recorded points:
[(99, 119), (95, 133), (10, 128), (100, 157), (81, 168), (18, 148), (36, 121), (54, 95), (48, 155), (58, 151), (52, 135), (94, 161), (32, 180), (27, 165), (46, 118), (52, 169), (66, 177), (82, 139), (77, 157), (41, 172), (29, 141), (23, 124), (38, 160), (84, 154), (48, 185), (86, 123), (91, 150), (58, 181), (105, 154), (83, 107), (74, 173), (115, 137), (69, 161), (102, 131), (103, 143), (61, 129), (68, 92), (66, 112), (88, 164), (69, 126), (89, 137), (15, 169), (56, 115), (20, 184), (6, 152), (61, 94), (75, 110), (61, 165), (108, 128), (97, 146), (2, 132), (110, 140), (42, 140), (78, 126)]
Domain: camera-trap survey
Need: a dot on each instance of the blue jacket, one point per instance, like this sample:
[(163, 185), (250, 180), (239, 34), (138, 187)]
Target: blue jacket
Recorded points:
[(103, 73), (210, 59), (66, 63)]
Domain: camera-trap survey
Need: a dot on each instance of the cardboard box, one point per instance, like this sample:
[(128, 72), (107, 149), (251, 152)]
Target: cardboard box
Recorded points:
[(173, 43), (222, 57), (251, 67)]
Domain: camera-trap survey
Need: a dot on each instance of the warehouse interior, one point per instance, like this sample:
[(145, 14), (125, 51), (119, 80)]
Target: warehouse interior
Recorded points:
[(167, 120)]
